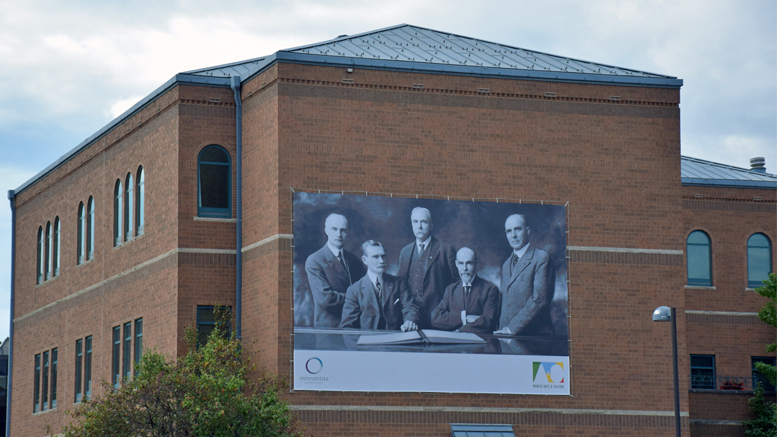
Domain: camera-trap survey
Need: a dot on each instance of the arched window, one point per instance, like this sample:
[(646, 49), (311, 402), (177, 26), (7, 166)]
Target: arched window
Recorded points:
[(48, 251), (140, 204), (56, 247), (81, 234), (214, 188), (759, 260), (117, 215), (41, 254), (90, 228), (129, 201), (699, 259)]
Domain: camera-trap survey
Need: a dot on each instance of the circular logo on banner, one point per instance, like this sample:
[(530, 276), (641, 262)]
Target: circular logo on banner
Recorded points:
[(314, 365)]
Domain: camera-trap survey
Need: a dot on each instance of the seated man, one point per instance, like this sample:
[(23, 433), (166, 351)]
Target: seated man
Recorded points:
[(470, 304), (377, 300)]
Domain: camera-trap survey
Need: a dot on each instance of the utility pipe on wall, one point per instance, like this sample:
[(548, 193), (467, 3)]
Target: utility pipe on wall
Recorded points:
[(235, 84)]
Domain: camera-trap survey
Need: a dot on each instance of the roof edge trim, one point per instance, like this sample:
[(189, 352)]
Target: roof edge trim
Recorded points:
[(385, 64), (729, 183), (176, 80)]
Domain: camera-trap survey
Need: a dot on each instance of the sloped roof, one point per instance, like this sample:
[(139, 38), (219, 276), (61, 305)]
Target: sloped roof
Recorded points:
[(398, 48), (406, 47), (695, 171)]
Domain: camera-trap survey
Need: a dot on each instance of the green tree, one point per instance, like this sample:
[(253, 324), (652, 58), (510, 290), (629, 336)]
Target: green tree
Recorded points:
[(204, 393), (768, 314), (765, 423)]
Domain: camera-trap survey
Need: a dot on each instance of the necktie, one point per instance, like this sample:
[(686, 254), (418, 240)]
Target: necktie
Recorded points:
[(421, 248), (377, 287), (514, 260), (345, 266), (467, 288)]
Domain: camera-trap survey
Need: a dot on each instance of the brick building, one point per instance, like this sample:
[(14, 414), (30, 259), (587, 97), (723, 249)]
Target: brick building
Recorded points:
[(127, 239)]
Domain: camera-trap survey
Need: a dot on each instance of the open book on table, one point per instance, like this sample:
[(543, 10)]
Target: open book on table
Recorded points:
[(422, 336)]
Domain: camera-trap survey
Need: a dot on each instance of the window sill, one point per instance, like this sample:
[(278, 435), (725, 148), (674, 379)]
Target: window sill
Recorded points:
[(124, 243), (85, 262), (45, 411), (49, 281), (730, 392), (700, 287), (214, 219)]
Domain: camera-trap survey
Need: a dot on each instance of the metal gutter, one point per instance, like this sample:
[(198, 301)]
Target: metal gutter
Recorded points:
[(235, 85), (729, 183), (178, 79), (9, 380)]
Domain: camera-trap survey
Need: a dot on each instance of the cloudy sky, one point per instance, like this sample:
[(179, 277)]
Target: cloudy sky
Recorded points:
[(68, 68)]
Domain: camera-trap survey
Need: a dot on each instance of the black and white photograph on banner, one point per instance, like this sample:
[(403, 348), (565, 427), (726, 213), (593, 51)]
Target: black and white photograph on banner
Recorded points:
[(388, 277)]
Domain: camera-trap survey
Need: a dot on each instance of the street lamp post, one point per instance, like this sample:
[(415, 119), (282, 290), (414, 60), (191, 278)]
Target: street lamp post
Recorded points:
[(666, 314)]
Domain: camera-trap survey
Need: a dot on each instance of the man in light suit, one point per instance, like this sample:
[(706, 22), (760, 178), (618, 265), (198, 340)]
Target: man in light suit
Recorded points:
[(377, 301), (427, 266), (331, 270), (468, 305), (527, 285)]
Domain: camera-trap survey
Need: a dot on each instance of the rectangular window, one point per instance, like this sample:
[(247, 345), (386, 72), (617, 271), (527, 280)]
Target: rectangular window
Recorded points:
[(45, 391), (760, 377), (703, 372), (36, 386), (206, 323), (54, 354), (88, 368), (115, 374), (79, 360), (127, 370), (138, 342)]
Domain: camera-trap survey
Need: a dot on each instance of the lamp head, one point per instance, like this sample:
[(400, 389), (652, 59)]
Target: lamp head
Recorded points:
[(662, 314)]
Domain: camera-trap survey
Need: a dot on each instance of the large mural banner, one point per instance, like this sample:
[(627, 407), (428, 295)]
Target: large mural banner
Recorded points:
[(396, 294)]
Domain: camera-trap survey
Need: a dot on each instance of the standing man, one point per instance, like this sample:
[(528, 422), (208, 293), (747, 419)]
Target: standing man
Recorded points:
[(378, 301), (527, 285), (470, 304), (427, 266), (331, 270)]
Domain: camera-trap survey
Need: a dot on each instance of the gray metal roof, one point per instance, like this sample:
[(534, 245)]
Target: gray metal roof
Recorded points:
[(695, 171), (406, 47), (398, 48)]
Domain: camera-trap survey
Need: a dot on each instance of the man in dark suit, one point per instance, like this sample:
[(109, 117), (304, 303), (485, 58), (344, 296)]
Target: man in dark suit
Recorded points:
[(427, 266), (377, 301), (468, 305), (527, 286), (331, 270)]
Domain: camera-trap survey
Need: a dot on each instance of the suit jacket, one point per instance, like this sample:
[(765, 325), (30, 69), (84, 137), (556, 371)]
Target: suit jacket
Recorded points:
[(483, 301), (527, 294), (328, 282), (440, 272), (363, 311)]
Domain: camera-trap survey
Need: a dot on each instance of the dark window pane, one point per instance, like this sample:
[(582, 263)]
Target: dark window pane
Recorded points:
[(141, 194), (127, 350), (138, 342), (759, 260), (54, 354), (36, 386), (699, 264), (79, 358), (703, 372), (88, 368), (40, 255), (214, 154), (206, 323), (90, 230), (129, 214), (760, 377), (45, 390), (117, 214), (115, 375), (214, 186)]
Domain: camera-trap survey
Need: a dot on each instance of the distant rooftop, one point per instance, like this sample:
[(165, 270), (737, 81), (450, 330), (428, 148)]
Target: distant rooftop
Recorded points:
[(406, 47), (695, 171)]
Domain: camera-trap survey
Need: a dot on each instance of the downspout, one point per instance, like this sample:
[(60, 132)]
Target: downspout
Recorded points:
[(9, 379), (239, 207)]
